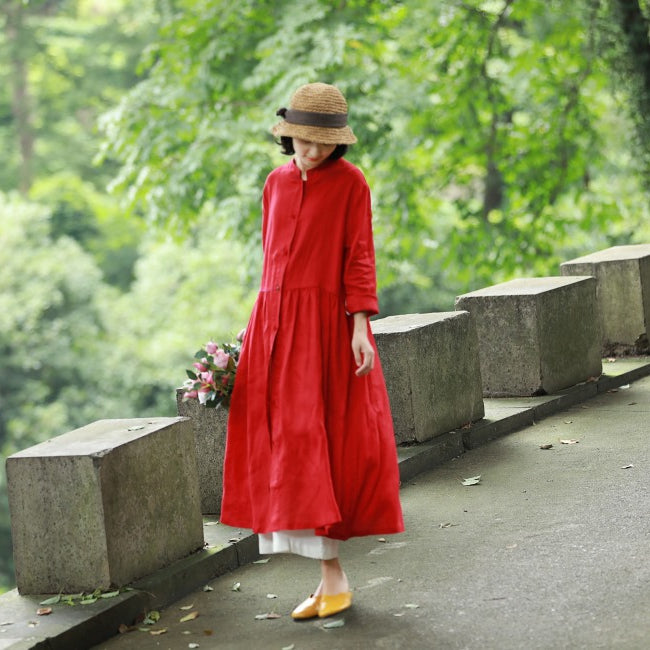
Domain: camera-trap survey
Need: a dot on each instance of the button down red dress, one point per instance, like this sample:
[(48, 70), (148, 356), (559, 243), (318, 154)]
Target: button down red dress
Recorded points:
[(310, 445)]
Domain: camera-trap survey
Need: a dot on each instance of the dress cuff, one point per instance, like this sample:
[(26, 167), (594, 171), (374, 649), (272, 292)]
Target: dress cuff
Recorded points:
[(357, 302)]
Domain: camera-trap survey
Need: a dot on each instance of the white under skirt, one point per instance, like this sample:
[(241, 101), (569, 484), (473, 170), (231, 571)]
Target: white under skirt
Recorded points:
[(299, 542)]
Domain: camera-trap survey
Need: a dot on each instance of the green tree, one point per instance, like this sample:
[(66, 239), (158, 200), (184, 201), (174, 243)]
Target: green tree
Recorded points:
[(625, 38), (484, 126), (49, 326), (62, 63), (75, 350)]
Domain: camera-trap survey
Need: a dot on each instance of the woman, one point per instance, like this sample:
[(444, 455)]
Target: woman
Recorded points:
[(310, 454)]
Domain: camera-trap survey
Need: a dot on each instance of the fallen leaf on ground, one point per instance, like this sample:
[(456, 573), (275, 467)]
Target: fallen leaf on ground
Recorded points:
[(162, 630), (264, 561), (381, 539), (6, 623), (339, 622), (611, 360), (208, 588), (208, 632), (51, 601), (446, 524), (289, 647), (411, 605), (43, 611), (375, 582), (32, 624), (152, 617), (137, 427), (387, 546), (630, 466), (193, 645), (570, 441), (236, 587), (474, 480), (270, 596), (511, 546), (546, 446), (568, 421), (186, 607), (232, 540), (269, 615), (189, 617), (110, 594), (632, 404)]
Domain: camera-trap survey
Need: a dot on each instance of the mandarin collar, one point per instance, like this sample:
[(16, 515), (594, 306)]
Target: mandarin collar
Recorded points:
[(323, 167)]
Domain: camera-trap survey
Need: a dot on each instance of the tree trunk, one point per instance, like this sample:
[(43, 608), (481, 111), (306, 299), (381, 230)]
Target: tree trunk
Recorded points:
[(636, 33), (20, 99)]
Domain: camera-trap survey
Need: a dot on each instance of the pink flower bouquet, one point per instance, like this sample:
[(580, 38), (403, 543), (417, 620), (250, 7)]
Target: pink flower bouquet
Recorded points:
[(213, 376)]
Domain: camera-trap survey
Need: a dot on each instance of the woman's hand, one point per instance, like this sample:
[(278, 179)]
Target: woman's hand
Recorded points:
[(364, 352)]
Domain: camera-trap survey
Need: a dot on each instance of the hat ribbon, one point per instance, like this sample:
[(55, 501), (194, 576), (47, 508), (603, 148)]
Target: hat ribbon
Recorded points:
[(310, 118)]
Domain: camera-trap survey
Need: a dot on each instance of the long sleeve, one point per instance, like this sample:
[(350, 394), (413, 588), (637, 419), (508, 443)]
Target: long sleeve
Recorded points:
[(359, 274)]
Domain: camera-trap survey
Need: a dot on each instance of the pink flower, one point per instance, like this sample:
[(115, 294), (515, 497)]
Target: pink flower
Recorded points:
[(211, 347), (221, 359), (200, 366), (191, 394)]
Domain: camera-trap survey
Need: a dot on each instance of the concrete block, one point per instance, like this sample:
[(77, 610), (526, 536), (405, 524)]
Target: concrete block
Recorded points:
[(209, 425), (623, 292), (432, 373), (536, 335), (104, 504)]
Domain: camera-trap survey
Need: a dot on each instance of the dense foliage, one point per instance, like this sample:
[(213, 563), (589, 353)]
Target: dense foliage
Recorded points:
[(499, 137)]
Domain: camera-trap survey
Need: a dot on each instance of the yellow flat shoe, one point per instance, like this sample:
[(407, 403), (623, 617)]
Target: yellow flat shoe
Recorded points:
[(330, 605), (307, 609)]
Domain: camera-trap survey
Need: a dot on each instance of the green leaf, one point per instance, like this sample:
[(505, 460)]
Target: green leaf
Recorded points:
[(339, 622), (110, 594), (51, 601), (151, 618), (191, 374)]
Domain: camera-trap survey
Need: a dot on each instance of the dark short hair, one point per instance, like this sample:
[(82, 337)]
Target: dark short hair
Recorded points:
[(286, 145)]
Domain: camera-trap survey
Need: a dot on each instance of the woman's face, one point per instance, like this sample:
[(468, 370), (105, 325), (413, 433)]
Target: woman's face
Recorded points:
[(311, 154)]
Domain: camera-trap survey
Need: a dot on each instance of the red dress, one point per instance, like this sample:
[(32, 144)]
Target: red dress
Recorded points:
[(310, 445)]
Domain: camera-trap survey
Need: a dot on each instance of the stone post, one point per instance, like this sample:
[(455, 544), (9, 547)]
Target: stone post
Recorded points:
[(536, 335), (103, 505), (623, 292), (432, 372)]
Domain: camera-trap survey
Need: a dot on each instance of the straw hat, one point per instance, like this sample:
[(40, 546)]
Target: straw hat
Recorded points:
[(318, 113)]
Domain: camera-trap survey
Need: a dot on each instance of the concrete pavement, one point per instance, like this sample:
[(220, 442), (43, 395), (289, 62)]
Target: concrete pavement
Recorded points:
[(550, 550)]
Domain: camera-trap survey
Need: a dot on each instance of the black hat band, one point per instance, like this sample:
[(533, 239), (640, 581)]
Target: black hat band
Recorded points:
[(308, 118)]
